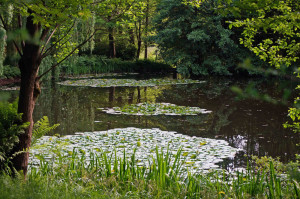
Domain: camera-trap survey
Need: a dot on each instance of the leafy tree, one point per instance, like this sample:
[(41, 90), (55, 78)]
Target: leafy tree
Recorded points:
[(272, 31), (196, 39), (38, 22)]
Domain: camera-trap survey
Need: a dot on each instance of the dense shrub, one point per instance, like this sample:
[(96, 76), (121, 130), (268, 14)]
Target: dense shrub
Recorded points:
[(10, 128), (124, 50), (99, 64), (10, 72)]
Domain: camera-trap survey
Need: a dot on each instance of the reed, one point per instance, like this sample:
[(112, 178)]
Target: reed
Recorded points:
[(124, 177)]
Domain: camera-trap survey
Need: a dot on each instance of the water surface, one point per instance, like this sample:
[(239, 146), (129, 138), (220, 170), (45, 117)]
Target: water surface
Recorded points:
[(252, 125)]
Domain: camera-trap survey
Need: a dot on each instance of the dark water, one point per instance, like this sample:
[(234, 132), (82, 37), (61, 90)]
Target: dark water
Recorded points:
[(253, 125)]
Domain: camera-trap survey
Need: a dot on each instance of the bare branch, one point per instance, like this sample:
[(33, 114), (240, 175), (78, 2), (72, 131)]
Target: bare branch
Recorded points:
[(44, 34), (45, 54), (3, 23), (20, 26), (55, 65), (49, 38), (6, 28)]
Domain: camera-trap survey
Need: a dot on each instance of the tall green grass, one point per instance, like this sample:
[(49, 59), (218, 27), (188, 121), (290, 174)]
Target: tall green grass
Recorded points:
[(123, 177)]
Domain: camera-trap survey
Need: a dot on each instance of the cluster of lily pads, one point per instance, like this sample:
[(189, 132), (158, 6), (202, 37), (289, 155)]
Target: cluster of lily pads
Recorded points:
[(198, 154), (126, 82), (155, 109)]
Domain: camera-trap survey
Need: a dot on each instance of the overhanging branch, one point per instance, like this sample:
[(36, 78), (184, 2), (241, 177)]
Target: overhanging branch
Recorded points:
[(66, 57)]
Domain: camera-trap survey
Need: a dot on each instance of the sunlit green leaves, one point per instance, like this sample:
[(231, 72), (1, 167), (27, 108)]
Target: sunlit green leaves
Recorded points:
[(277, 22)]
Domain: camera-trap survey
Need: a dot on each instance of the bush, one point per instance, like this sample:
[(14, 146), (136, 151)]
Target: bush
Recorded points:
[(10, 128), (124, 50), (98, 64), (147, 66), (11, 72)]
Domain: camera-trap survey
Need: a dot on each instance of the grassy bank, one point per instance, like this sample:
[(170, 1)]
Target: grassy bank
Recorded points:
[(102, 177)]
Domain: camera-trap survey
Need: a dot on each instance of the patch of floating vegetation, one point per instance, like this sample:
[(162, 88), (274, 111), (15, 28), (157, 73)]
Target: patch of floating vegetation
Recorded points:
[(197, 154), (89, 76), (126, 82), (155, 109)]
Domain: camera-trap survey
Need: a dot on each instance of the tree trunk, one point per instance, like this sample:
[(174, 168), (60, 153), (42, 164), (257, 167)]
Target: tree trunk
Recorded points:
[(131, 36), (29, 91), (139, 38), (146, 30), (111, 45)]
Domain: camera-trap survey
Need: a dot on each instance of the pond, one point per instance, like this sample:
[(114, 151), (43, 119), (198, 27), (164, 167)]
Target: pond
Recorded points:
[(251, 125)]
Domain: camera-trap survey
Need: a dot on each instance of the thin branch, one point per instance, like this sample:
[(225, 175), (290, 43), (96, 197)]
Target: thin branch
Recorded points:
[(3, 23), (45, 54), (20, 26), (6, 28), (44, 34), (55, 65), (49, 38)]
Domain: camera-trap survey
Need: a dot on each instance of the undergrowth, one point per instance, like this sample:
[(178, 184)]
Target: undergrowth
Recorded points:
[(123, 177)]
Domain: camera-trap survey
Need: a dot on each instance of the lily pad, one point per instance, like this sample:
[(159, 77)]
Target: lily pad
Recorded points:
[(144, 141), (126, 82), (155, 109)]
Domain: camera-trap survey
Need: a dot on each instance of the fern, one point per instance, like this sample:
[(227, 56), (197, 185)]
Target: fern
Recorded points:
[(41, 128)]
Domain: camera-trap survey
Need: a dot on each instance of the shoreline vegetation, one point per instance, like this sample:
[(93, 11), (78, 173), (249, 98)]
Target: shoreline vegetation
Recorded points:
[(101, 177)]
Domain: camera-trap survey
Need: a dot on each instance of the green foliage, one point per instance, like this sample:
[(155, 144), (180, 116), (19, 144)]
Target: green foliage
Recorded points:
[(98, 64), (196, 39), (124, 50), (10, 72), (10, 128), (271, 29), (41, 128), (2, 48), (106, 177)]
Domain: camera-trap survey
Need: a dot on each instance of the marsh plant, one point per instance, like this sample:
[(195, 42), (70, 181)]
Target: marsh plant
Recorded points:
[(102, 176), (155, 109)]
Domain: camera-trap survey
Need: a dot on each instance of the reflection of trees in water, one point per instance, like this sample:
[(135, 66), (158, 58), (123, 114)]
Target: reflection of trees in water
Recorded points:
[(220, 119), (181, 124), (242, 123), (75, 108)]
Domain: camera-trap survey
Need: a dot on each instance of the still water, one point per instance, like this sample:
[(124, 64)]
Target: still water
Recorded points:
[(252, 125)]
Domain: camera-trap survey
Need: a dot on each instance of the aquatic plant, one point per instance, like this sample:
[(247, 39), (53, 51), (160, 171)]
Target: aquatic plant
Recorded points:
[(198, 154), (127, 82), (155, 109), (100, 176)]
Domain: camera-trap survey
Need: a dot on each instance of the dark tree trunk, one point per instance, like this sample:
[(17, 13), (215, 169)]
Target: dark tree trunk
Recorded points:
[(29, 91), (146, 30), (139, 39), (111, 45), (131, 36)]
